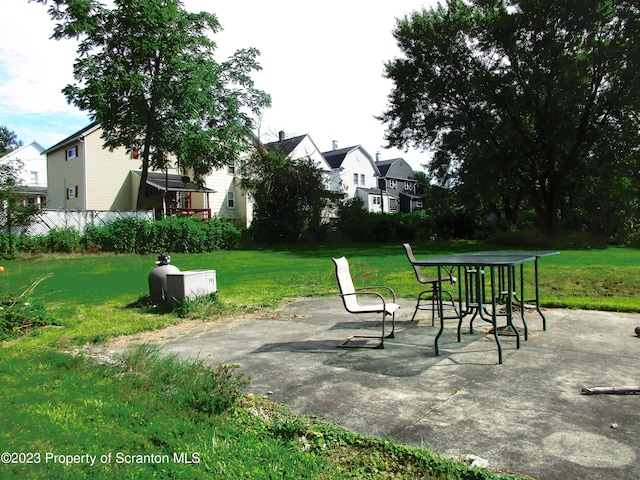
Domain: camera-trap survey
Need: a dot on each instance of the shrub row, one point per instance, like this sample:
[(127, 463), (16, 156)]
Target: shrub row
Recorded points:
[(359, 225), (132, 235)]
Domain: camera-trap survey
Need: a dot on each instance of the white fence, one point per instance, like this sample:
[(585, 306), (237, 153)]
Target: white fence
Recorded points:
[(77, 220)]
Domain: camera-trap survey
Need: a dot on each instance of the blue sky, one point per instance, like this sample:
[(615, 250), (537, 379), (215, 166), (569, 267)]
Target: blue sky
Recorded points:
[(322, 65)]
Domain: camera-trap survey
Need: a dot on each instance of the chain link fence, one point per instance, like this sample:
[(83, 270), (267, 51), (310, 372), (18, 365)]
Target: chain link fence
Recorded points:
[(76, 219)]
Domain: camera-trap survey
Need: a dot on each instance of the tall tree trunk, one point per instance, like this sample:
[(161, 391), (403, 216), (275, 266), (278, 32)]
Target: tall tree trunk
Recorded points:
[(146, 153), (143, 184), (145, 173)]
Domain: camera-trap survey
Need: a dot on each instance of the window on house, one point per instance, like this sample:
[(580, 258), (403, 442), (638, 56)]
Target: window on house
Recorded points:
[(376, 200), (355, 178), (34, 178), (408, 186), (393, 184), (72, 152), (419, 204), (231, 199), (231, 169), (362, 182)]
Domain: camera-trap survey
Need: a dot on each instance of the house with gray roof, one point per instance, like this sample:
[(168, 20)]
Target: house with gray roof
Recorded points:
[(301, 146), (398, 180), (355, 173)]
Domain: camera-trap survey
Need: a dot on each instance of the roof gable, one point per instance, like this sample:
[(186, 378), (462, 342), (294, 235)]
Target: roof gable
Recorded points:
[(286, 146), (74, 137), (336, 158), (35, 147), (298, 147), (396, 168)]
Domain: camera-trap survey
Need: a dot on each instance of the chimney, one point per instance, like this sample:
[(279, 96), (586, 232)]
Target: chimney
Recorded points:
[(281, 135), (335, 144)]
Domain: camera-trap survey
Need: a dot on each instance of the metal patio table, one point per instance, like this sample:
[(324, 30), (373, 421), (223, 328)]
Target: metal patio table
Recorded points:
[(503, 288)]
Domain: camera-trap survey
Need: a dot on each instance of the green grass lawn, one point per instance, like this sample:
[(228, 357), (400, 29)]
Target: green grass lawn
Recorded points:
[(57, 403), (604, 279)]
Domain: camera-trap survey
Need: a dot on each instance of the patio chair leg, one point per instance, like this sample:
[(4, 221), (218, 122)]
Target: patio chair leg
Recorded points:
[(393, 325), (414, 313), (345, 344)]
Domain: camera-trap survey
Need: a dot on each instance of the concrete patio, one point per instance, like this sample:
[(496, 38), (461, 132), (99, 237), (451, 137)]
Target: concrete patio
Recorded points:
[(526, 416)]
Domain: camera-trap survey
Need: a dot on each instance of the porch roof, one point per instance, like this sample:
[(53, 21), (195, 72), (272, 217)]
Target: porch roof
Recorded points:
[(172, 182)]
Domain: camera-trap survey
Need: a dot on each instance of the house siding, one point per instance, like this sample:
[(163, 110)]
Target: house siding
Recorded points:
[(108, 182), (32, 173), (63, 174), (357, 163), (32, 160), (102, 177), (398, 176), (222, 182), (306, 148)]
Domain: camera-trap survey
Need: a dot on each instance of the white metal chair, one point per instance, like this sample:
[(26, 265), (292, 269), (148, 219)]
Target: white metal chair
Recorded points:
[(428, 299), (355, 301)]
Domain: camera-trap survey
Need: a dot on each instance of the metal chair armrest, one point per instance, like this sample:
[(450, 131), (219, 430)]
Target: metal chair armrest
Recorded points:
[(382, 287), (376, 294)]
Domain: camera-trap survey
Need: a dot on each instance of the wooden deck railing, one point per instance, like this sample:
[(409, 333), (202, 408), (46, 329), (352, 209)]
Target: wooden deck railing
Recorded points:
[(204, 213)]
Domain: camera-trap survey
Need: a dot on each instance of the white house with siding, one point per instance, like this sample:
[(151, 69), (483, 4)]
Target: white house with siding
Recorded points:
[(355, 173), (227, 198), (301, 146), (32, 169), (231, 201)]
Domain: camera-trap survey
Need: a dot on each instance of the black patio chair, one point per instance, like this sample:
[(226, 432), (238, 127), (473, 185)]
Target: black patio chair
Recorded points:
[(430, 298)]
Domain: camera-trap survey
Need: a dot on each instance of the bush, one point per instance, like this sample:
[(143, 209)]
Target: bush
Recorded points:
[(21, 314), (57, 240), (91, 240), (536, 239), (17, 319), (171, 234), (6, 242), (359, 225), (119, 236), (131, 235), (61, 240)]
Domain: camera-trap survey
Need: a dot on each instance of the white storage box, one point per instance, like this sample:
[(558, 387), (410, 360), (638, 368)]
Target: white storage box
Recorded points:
[(190, 284)]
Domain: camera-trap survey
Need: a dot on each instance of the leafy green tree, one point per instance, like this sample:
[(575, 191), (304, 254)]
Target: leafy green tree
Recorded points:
[(525, 102), (289, 195), (8, 141), (146, 71), (13, 213)]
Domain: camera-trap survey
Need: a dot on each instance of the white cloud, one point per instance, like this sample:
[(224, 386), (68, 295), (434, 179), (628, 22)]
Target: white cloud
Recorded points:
[(322, 64), (34, 70)]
